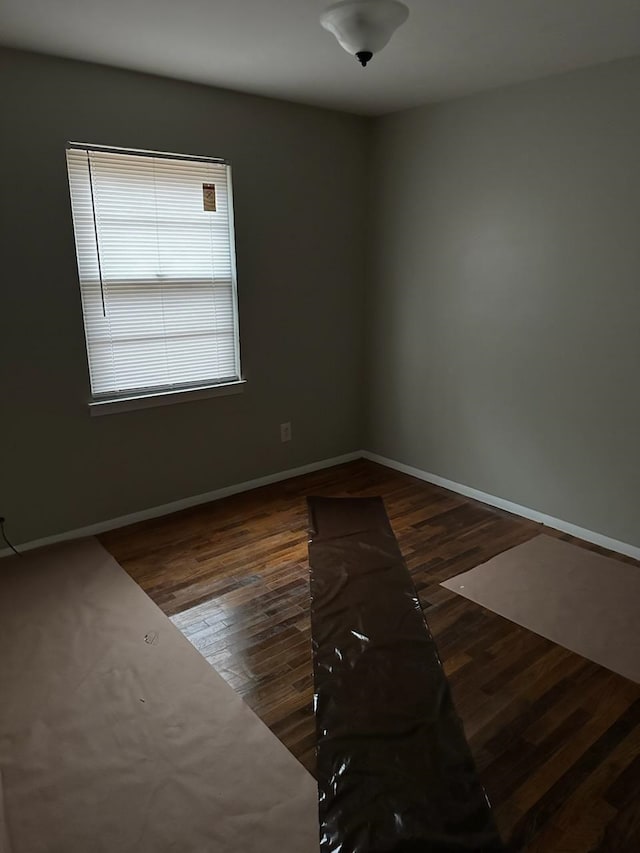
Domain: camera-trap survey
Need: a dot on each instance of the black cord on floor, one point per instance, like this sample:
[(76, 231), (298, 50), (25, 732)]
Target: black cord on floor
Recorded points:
[(4, 536)]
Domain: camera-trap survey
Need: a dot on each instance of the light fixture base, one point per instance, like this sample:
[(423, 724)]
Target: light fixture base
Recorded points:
[(364, 56)]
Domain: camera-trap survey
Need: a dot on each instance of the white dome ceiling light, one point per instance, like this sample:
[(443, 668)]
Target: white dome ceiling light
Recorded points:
[(363, 27)]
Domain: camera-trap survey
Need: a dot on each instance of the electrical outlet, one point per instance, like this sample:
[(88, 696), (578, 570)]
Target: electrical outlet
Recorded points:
[(285, 431)]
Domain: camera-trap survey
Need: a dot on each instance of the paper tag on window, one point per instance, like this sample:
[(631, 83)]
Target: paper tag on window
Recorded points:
[(209, 196)]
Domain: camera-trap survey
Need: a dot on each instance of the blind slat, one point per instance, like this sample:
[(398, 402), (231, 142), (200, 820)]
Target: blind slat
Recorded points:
[(162, 263)]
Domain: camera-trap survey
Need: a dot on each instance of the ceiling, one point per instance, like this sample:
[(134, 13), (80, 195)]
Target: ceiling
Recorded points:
[(448, 48)]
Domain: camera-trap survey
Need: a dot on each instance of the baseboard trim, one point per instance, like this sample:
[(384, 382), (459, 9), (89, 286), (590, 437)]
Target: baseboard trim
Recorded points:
[(523, 511), (184, 503), (461, 489)]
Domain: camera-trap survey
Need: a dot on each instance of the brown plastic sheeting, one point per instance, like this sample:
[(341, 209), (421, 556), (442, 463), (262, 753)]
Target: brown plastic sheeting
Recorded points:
[(394, 770)]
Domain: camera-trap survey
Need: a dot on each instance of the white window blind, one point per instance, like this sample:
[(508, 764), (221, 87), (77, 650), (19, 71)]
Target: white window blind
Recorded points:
[(156, 265)]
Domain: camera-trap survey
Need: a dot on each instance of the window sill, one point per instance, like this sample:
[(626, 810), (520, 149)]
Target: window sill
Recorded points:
[(163, 398)]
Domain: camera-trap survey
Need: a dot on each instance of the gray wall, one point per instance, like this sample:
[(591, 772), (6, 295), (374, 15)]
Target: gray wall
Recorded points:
[(299, 181), (499, 312), (505, 297)]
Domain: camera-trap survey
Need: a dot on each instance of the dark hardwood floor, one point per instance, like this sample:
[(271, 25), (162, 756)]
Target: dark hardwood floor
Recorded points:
[(556, 738)]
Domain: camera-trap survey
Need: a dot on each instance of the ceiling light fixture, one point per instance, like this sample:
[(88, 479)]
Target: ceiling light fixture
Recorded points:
[(363, 27)]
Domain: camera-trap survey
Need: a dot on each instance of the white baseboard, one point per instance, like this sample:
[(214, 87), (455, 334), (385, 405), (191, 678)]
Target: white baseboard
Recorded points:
[(184, 503), (509, 506), (459, 488)]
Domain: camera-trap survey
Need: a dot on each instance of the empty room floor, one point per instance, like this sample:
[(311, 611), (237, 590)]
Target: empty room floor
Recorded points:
[(556, 738)]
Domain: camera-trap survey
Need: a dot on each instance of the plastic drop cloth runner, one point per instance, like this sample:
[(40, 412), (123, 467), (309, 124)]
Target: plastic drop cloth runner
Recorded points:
[(394, 770)]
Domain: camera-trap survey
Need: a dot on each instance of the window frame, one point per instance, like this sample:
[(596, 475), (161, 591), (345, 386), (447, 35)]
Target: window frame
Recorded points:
[(160, 395)]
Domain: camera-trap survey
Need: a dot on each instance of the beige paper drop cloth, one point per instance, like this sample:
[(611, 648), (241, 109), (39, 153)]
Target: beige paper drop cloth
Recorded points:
[(116, 735), (581, 600)]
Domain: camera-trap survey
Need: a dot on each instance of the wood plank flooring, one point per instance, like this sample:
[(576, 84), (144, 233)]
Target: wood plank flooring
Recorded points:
[(556, 738)]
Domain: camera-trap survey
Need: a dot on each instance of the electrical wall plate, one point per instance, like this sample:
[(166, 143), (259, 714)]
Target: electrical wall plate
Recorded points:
[(285, 431)]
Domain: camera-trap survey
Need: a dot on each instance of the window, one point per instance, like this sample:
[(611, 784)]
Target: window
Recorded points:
[(156, 262)]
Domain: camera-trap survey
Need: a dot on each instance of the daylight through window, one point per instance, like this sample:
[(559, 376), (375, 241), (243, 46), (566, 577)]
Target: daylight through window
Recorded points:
[(156, 261)]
